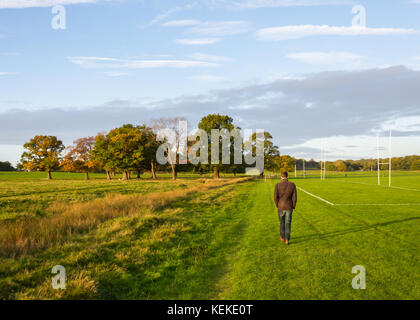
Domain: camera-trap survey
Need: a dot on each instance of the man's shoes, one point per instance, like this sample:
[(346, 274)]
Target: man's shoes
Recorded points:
[(281, 239), (287, 242)]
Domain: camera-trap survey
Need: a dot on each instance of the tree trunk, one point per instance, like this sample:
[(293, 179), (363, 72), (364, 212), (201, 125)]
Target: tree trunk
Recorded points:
[(216, 173), (138, 174), (174, 175), (108, 176), (152, 165), (113, 173), (86, 175), (125, 175), (49, 175)]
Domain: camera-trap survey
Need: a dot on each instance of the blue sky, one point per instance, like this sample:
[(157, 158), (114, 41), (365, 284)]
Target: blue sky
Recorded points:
[(284, 66)]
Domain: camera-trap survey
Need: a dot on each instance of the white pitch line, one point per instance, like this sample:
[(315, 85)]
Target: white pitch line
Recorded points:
[(371, 184), (319, 198), (378, 204)]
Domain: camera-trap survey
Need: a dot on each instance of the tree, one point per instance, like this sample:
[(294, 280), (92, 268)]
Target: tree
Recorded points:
[(217, 122), (272, 160), (341, 165), (173, 125), (150, 147), (102, 155), (79, 157), (285, 163), (330, 167), (415, 165), (126, 149), (43, 154), (6, 166)]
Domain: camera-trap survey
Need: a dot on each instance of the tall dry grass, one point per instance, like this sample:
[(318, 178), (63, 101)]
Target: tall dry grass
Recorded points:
[(18, 238)]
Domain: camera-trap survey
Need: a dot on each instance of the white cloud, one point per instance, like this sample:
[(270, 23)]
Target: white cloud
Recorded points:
[(7, 73), (20, 4), (180, 23), (251, 4), (209, 57), (220, 28), (302, 31), (171, 12), (110, 63), (198, 41), (328, 58)]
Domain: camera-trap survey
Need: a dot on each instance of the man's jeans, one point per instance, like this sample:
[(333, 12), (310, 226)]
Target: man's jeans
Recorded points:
[(285, 218)]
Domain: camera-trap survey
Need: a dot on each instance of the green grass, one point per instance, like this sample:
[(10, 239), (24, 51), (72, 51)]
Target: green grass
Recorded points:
[(29, 193), (224, 244)]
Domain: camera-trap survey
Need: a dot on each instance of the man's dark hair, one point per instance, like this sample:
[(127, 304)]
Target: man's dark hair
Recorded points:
[(284, 174)]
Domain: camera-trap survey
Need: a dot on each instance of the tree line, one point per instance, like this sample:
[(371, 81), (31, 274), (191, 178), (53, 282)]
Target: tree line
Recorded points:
[(131, 149)]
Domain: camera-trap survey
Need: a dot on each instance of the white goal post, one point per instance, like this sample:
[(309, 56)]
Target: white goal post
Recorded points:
[(389, 163)]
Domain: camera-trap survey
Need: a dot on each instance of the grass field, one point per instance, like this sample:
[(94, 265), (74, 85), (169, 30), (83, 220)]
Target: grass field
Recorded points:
[(215, 240)]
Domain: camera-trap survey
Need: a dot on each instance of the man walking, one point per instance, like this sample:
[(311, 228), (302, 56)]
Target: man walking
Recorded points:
[(285, 198)]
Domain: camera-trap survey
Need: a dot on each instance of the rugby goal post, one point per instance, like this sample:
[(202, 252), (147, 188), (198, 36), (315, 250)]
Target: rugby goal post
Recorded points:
[(323, 162), (389, 163)]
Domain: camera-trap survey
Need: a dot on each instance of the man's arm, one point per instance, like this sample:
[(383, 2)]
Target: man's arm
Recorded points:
[(276, 196), (294, 197)]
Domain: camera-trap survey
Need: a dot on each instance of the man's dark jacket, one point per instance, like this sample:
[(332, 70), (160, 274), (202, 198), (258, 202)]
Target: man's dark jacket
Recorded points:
[(285, 195)]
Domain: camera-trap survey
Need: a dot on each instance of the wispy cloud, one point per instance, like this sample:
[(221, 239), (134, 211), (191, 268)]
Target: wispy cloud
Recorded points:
[(211, 28), (250, 4), (328, 58), (166, 14), (111, 63), (21, 4), (181, 23), (7, 73), (209, 57), (197, 41), (220, 28), (302, 31)]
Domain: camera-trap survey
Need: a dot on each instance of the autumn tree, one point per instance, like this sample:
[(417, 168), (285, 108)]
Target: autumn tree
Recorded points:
[(79, 157), (340, 165), (285, 163), (43, 154)]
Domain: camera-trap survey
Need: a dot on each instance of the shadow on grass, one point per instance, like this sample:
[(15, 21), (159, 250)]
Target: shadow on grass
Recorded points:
[(332, 234)]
